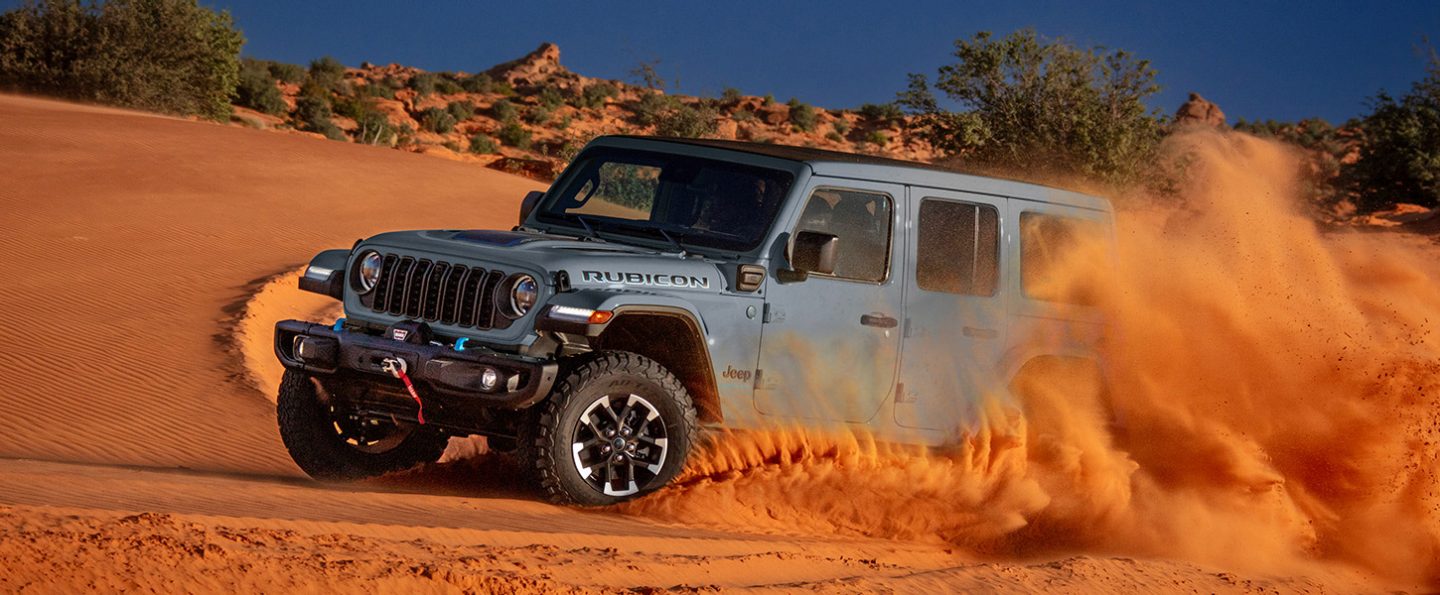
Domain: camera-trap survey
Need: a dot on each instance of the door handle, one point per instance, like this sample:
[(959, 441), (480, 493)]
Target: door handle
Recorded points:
[(878, 321), (980, 333)]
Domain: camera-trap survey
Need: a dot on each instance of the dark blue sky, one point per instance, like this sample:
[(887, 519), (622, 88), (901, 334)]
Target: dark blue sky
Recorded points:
[(1256, 59)]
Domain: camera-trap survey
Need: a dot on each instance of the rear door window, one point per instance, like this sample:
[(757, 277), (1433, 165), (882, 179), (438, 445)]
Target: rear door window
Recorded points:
[(958, 247), (1057, 257)]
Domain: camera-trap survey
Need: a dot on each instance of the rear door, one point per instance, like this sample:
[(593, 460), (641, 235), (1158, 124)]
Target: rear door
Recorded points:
[(955, 308), (830, 344)]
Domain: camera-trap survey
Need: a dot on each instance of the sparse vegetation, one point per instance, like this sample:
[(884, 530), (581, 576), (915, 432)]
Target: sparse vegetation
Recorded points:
[(514, 135), (841, 126), (478, 83), (286, 72), (802, 116), (730, 95), (461, 110), (171, 56), (877, 138), (504, 111), (437, 120), (881, 112), (373, 128), (482, 144), (596, 95), (538, 115), (550, 97)]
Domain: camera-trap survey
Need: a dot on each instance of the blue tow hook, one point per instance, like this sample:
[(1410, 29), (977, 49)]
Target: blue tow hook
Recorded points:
[(339, 325), (460, 343)]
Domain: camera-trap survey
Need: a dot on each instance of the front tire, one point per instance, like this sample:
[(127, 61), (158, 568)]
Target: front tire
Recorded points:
[(330, 446), (619, 426)]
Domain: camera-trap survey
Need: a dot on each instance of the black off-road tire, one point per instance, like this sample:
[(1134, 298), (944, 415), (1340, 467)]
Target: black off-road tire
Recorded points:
[(547, 438), (308, 431)]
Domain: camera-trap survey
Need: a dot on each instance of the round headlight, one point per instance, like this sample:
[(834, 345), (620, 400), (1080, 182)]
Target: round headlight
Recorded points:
[(368, 273), (523, 294)]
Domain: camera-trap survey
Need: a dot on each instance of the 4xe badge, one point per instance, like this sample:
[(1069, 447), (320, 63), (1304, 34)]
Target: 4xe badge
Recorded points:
[(399, 334)]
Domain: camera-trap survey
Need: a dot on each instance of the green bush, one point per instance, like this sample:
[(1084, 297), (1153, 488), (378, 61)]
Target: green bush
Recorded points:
[(478, 83), (538, 115), (437, 120), (686, 122), (384, 88), (515, 135), (374, 129), (651, 106), (461, 110), (841, 126), (551, 98), (171, 56), (286, 73), (504, 111), (881, 112), (1400, 148), (256, 89), (1042, 107), (731, 95), (835, 136), (877, 138), (328, 73), (802, 116), (742, 115), (423, 83), (596, 95), (482, 144), (313, 111)]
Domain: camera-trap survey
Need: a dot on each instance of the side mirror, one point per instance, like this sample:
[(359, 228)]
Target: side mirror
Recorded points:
[(811, 252), (528, 204)]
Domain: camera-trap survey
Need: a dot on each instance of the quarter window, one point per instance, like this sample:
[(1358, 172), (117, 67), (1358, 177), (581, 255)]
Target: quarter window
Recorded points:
[(1057, 258), (959, 247), (862, 222)]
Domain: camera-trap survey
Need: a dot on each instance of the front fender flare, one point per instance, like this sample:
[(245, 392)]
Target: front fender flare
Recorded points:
[(619, 304)]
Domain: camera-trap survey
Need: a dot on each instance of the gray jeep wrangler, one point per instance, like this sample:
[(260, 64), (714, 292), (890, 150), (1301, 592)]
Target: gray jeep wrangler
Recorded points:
[(661, 286)]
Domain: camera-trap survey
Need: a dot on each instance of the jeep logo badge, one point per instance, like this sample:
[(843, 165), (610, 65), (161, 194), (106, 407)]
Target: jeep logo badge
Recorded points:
[(645, 279), (731, 373)]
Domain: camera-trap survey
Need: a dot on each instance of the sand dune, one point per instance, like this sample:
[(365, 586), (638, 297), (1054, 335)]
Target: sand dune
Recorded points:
[(146, 257)]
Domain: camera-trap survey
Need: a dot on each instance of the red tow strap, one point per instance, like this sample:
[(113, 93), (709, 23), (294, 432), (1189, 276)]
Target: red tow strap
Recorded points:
[(398, 370)]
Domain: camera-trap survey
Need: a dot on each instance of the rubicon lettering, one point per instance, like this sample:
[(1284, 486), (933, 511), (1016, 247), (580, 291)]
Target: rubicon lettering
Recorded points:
[(650, 279)]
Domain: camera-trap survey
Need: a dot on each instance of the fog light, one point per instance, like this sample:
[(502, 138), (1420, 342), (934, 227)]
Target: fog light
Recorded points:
[(315, 350), (489, 379)]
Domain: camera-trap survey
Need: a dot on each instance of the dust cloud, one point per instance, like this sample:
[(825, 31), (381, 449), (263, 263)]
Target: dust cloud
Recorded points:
[(1273, 404)]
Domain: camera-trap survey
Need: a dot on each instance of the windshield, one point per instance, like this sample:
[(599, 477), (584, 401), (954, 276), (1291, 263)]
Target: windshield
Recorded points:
[(674, 198)]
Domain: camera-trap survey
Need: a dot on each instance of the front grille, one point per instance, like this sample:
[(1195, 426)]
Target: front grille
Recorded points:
[(442, 292)]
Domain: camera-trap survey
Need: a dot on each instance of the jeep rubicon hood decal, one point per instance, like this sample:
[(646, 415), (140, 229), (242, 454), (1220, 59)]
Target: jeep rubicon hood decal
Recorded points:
[(645, 279)]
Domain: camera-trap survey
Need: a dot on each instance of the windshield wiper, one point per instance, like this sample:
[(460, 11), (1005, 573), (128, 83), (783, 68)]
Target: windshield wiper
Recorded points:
[(678, 247), (589, 231)]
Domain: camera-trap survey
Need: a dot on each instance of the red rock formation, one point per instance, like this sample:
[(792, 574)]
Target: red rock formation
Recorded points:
[(1197, 110)]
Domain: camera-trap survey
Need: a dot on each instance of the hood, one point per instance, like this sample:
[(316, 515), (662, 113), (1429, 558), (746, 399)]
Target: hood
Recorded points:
[(589, 264)]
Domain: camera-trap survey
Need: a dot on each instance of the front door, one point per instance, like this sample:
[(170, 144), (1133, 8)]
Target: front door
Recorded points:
[(955, 326), (830, 343)]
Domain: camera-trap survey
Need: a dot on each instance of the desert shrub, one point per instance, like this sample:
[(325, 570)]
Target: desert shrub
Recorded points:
[(835, 136), (514, 135), (351, 106), (170, 56), (731, 95), (650, 106), (256, 89), (373, 128), (286, 72), (328, 73), (538, 115), (504, 111), (551, 98), (841, 126), (478, 83), (881, 112), (461, 110), (452, 145), (877, 138), (742, 115), (503, 88), (768, 100), (1400, 148), (423, 83), (384, 88), (596, 94), (686, 121), (1041, 106), (437, 120), (802, 116), (482, 144), (445, 85)]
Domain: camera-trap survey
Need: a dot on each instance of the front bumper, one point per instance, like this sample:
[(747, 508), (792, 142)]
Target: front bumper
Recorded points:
[(445, 373)]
